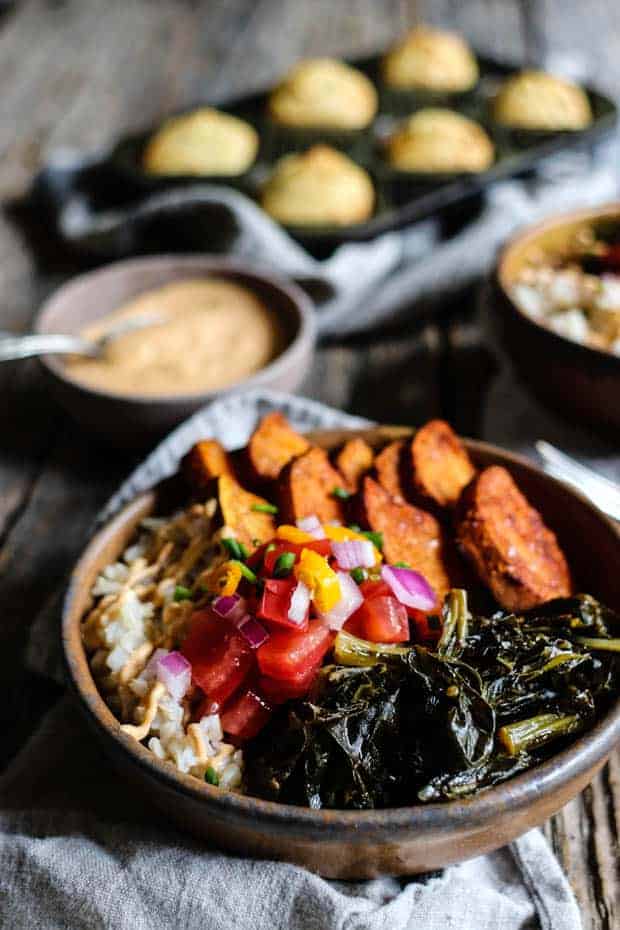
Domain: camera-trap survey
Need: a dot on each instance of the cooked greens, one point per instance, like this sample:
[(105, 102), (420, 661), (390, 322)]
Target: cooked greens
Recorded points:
[(388, 725)]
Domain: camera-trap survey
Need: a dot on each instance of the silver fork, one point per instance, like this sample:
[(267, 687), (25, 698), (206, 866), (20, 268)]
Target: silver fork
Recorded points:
[(14, 346), (601, 491)]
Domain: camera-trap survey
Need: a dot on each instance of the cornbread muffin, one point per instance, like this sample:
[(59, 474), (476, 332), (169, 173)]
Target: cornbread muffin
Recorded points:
[(319, 187), (205, 142), (322, 93), (437, 140), (537, 100), (430, 59)]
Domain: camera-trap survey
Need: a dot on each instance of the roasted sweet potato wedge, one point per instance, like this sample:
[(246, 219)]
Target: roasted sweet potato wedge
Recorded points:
[(353, 461), (272, 445), (440, 465), (389, 468), (510, 547), (307, 487), (205, 462), (250, 526), (410, 534)]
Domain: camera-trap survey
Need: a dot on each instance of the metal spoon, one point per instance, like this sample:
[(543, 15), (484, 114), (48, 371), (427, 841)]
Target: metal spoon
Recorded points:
[(601, 491), (14, 346)]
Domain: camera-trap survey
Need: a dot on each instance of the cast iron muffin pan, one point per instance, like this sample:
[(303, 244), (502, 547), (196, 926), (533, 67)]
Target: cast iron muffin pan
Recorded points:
[(402, 197)]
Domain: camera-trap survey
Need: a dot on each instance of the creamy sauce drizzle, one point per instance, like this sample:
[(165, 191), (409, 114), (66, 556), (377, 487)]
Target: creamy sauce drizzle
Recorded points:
[(213, 333)]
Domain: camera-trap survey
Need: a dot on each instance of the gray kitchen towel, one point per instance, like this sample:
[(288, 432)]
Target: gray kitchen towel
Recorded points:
[(362, 284), (78, 850)]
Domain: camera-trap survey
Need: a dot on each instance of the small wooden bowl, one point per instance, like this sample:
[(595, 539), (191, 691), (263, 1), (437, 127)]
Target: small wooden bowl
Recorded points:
[(362, 844), (578, 381), (133, 419)]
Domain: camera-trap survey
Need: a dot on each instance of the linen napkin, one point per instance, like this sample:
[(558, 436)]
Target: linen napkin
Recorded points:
[(78, 850), (362, 285)]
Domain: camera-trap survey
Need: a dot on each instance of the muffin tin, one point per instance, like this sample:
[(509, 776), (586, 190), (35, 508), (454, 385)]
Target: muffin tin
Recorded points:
[(402, 197)]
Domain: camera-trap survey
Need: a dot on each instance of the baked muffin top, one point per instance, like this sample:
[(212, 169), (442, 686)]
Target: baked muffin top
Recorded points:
[(204, 142), (538, 100), (323, 93), (319, 187), (430, 59), (439, 140)]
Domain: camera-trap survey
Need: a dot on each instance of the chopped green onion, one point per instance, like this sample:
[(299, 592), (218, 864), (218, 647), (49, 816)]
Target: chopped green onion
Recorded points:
[(402, 565), (233, 548), (358, 575), (211, 776), (341, 493), (284, 564), (270, 547), (264, 508), (182, 594), (355, 528), (256, 542), (244, 551), (375, 538), (246, 572)]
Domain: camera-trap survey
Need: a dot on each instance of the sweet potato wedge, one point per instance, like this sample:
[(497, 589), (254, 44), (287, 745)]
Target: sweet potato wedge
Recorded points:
[(272, 445), (506, 540), (389, 468), (410, 534), (205, 462), (307, 486), (353, 461), (440, 465), (251, 527)]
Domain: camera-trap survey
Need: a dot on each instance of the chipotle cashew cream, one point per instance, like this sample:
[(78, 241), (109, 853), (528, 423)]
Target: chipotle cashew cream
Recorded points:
[(212, 334)]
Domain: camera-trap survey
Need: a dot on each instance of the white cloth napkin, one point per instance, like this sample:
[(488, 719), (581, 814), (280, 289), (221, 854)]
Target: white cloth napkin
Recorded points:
[(78, 851)]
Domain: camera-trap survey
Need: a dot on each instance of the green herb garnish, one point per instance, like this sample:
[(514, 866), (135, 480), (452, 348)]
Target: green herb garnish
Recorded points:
[(233, 548), (182, 594), (270, 547), (359, 574), (246, 572), (244, 551), (401, 565), (341, 493), (264, 508), (355, 528), (375, 538), (211, 776), (284, 565)]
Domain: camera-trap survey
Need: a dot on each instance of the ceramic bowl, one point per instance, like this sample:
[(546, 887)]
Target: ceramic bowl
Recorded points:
[(133, 419), (577, 381), (362, 844)]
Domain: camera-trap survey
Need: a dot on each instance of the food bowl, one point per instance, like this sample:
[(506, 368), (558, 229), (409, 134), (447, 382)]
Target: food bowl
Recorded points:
[(362, 844), (578, 381), (134, 419)]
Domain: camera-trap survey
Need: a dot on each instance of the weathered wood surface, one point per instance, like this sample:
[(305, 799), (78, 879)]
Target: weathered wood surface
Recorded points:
[(76, 73)]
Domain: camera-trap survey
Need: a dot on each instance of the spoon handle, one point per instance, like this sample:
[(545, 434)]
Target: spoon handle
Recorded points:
[(15, 347)]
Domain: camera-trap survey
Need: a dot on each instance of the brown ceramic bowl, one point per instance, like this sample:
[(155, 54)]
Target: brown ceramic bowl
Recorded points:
[(133, 419), (577, 381), (361, 844)]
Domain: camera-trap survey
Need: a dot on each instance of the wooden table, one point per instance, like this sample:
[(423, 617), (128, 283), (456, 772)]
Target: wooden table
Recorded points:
[(79, 72)]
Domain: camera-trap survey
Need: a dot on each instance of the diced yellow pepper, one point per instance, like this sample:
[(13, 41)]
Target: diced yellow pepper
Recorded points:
[(223, 580), (293, 535), (314, 570), (343, 534)]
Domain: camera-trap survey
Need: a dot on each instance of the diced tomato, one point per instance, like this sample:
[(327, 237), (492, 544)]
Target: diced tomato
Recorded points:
[(383, 619), (245, 715), (322, 546), (286, 654), (279, 691), (371, 589), (255, 560), (355, 625), (275, 603), (220, 657)]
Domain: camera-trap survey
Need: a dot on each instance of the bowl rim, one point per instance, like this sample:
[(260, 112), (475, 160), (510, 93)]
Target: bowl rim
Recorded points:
[(527, 236), (462, 815), (212, 264)]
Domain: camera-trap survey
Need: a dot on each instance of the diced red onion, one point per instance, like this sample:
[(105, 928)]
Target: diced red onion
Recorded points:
[(300, 602), (409, 587), (150, 669), (351, 598), (252, 631), (175, 672), (311, 525), (354, 553), (231, 606)]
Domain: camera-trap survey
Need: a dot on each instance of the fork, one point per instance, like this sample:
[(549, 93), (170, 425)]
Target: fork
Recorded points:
[(601, 491)]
